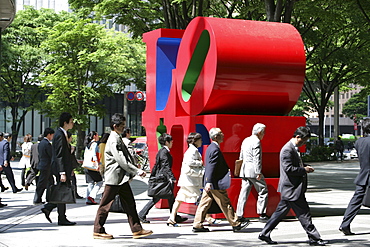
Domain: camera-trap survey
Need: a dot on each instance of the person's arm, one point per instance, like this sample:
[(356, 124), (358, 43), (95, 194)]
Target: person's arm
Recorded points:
[(256, 153), (6, 154)]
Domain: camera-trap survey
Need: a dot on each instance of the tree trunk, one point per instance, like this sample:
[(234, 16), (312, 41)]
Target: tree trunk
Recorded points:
[(321, 113), (14, 132), (80, 142)]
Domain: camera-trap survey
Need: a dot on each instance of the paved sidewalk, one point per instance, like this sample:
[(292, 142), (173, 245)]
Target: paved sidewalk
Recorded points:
[(330, 189)]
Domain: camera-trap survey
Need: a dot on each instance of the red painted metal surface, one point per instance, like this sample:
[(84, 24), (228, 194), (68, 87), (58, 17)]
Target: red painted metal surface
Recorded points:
[(229, 74)]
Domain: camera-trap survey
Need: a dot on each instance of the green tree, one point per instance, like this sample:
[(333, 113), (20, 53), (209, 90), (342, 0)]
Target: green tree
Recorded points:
[(85, 61), (144, 16), (336, 43), (356, 107), (22, 61)]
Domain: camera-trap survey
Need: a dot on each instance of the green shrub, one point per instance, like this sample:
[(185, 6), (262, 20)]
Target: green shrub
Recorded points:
[(319, 153)]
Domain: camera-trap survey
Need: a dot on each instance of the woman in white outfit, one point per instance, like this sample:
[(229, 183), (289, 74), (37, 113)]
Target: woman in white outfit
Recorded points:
[(93, 178), (191, 178), (25, 161)]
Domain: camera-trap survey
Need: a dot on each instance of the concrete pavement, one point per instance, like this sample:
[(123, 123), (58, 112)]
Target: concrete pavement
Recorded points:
[(330, 189)]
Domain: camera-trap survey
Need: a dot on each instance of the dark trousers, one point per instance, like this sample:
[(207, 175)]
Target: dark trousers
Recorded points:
[(23, 177), (31, 175), (61, 209), (143, 213), (10, 176), (302, 211), (44, 181), (354, 205), (128, 203)]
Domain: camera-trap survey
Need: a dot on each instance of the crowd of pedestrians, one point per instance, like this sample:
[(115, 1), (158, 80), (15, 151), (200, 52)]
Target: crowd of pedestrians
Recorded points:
[(206, 184)]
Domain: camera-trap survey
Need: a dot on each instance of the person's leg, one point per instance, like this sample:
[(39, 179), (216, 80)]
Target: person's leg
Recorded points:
[(41, 185), (3, 188), (353, 206), (204, 205), (223, 201), (89, 188), (109, 194), (129, 205), (175, 209), (144, 212), (95, 190), (10, 176), (31, 175), (243, 196), (61, 208), (23, 175), (261, 188), (171, 201), (302, 211), (281, 211)]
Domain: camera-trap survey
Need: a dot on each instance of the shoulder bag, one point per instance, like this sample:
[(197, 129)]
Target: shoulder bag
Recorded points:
[(160, 186)]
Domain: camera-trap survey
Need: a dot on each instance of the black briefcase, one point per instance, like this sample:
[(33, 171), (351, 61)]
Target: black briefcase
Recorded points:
[(366, 200), (61, 193)]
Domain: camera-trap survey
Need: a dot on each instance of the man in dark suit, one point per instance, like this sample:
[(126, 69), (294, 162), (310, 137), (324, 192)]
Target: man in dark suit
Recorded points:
[(292, 186), (61, 166), (362, 146), (216, 180), (34, 161), (5, 158), (44, 151)]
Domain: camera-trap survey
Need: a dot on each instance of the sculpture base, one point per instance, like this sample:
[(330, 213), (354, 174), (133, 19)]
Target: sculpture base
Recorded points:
[(233, 192)]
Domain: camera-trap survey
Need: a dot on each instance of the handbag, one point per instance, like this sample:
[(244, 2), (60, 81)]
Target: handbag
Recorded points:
[(238, 166), (160, 187), (92, 165), (116, 206), (366, 200), (61, 193), (89, 163)]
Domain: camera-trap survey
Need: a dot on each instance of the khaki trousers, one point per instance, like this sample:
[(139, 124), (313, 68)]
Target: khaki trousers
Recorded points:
[(223, 201)]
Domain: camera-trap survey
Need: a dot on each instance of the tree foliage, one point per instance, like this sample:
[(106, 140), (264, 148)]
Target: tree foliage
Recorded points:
[(85, 61), (356, 107), (336, 46), (144, 16), (22, 61)]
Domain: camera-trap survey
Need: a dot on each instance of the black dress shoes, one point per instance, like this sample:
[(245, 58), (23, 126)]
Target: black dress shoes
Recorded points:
[(202, 229), (241, 226), (18, 190), (144, 220), (4, 189), (319, 242), (180, 219), (47, 214), (3, 205), (346, 230), (66, 223), (268, 240), (263, 218), (79, 197)]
